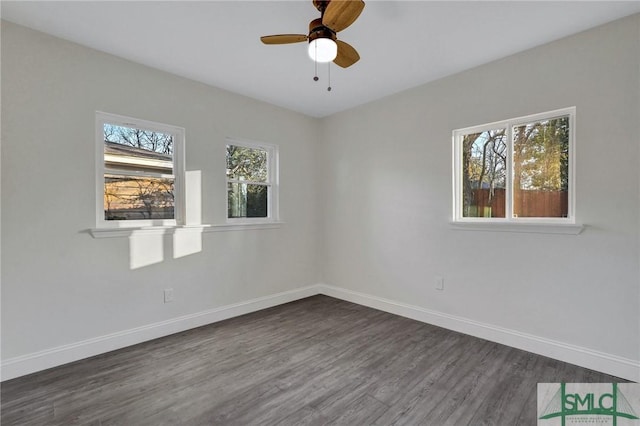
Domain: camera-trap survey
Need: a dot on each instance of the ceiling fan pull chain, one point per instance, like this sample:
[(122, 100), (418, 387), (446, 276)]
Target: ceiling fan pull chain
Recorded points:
[(315, 62), (329, 67)]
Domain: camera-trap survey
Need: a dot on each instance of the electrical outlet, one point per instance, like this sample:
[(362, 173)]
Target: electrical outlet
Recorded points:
[(440, 283), (168, 295)]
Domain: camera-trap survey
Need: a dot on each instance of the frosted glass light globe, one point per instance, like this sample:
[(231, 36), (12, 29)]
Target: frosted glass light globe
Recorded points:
[(323, 50)]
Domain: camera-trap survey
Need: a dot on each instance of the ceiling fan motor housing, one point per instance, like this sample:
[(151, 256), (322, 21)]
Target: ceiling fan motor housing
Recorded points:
[(317, 30), (321, 5)]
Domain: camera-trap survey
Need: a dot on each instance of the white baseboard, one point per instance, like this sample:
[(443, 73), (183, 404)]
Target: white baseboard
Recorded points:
[(584, 357), (31, 363)]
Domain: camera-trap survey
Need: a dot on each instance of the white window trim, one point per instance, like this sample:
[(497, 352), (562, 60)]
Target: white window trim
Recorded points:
[(526, 228), (509, 223), (178, 133), (273, 174), (179, 230)]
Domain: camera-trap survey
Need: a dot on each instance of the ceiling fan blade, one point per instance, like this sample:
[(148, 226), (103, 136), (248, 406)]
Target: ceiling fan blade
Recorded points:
[(347, 55), (283, 38), (339, 14)]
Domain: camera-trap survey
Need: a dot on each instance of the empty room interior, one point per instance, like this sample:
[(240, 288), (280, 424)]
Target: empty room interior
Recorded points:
[(317, 212)]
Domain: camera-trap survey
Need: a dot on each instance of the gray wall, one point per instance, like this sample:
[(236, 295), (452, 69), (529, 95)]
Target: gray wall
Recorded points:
[(387, 184), (61, 286)]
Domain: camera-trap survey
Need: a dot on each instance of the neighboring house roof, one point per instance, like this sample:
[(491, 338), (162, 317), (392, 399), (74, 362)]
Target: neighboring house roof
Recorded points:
[(128, 157), (114, 148)]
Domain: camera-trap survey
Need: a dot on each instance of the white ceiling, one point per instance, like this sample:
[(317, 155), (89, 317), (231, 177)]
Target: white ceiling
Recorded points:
[(402, 43)]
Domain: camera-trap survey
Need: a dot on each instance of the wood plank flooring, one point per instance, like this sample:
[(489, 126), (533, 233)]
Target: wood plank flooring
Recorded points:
[(316, 361)]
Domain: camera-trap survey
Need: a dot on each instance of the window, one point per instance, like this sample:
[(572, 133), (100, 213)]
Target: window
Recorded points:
[(519, 170), (252, 173), (139, 172)]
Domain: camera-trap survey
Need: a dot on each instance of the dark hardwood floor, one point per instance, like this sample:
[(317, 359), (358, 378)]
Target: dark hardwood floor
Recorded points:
[(315, 361)]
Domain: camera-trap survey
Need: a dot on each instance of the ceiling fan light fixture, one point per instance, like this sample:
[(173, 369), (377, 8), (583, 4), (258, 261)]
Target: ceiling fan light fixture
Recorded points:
[(323, 50)]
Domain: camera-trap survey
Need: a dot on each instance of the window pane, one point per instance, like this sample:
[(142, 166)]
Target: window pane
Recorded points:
[(246, 163), (127, 148), (138, 198), (247, 200), (484, 174), (541, 169)]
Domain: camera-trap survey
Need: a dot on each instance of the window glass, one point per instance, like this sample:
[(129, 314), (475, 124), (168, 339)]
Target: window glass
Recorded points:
[(541, 168), (250, 178), (137, 198), (139, 176), (248, 164), (484, 173), (247, 200)]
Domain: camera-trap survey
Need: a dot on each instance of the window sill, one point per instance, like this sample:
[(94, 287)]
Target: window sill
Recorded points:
[(170, 230), (245, 226), (145, 230), (529, 228)]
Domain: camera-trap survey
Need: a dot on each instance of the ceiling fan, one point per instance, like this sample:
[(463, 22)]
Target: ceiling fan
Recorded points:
[(324, 46)]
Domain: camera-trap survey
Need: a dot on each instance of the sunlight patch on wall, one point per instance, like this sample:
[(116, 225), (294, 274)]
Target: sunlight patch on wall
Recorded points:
[(145, 250), (186, 242)]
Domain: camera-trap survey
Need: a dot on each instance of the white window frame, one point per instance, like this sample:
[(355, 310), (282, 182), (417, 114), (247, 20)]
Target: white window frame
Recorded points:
[(508, 125), (273, 173), (178, 134)]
